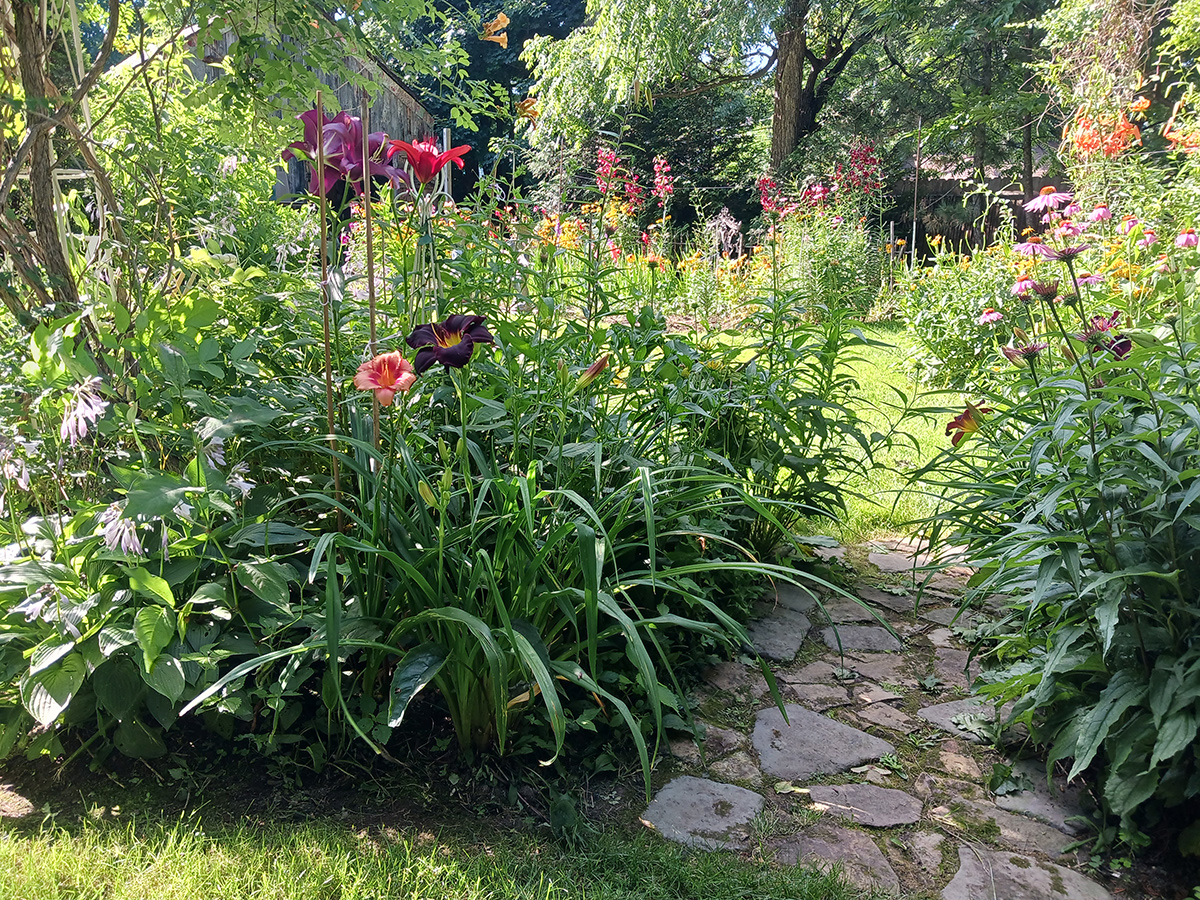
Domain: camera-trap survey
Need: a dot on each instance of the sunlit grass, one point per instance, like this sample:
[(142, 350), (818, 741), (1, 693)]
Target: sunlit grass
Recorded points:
[(884, 502), (317, 861)]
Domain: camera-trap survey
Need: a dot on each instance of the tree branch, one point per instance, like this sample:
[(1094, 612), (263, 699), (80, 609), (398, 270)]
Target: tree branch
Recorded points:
[(720, 82), (85, 85)]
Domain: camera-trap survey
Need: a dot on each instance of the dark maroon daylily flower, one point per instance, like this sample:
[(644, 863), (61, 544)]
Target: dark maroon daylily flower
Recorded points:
[(966, 422), (450, 343)]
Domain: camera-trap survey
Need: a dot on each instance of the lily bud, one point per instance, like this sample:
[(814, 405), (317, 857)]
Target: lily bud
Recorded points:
[(426, 493), (592, 372)]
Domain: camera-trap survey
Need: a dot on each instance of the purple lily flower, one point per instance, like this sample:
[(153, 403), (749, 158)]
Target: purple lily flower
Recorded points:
[(307, 149), (450, 343)]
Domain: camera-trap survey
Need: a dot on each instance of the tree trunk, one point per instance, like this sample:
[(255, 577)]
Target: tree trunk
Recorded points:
[(32, 50), (792, 43)]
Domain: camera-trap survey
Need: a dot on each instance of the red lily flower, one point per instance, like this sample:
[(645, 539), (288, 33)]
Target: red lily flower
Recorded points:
[(450, 343), (427, 163), (967, 422)]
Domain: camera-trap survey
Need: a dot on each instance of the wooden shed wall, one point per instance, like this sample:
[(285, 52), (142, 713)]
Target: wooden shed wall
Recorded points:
[(393, 109)]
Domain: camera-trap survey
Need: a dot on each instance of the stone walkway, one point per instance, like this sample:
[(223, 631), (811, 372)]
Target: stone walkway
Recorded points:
[(881, 765)]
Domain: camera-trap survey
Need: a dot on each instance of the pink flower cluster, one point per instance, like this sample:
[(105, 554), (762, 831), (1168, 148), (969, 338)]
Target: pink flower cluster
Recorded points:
[(607, 162), (664, 181), (864, 171)]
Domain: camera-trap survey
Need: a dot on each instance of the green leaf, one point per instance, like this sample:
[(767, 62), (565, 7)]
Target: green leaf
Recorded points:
[(135, 739), (46, 655), (47, 694), (262, 534), (151, 585), (416, 669), (1123, 691), (154, 627), (117, 684), (266, 579), (1108, 611), (166, 677), (1175, 734), (213, 592)]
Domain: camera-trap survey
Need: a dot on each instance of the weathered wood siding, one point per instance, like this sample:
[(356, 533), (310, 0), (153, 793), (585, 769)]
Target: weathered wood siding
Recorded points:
[(393, 109)]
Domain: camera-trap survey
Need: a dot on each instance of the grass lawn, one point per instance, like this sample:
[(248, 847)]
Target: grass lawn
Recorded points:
[(190, 860), (883, 502)]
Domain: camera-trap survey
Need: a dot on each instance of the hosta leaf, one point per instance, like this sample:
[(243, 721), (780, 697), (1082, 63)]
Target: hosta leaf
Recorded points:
[(154, 627), (46, 655), (151, 585), (416, 669), (136, 739), (267, 580), (48, 693), (113, 638), (117, 684), (166, 677)]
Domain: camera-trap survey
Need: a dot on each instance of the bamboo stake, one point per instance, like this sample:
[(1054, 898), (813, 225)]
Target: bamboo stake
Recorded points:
[(372, 346), (325, 304), (916, 194)]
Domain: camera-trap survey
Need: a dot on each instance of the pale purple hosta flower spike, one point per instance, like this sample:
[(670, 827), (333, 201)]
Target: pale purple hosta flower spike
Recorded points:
[(120, 533), (84, 407), (237, 478), (214, 452)]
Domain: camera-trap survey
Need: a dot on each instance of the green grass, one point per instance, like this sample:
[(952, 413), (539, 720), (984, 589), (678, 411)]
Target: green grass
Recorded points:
[(323, 861), (884, 503)]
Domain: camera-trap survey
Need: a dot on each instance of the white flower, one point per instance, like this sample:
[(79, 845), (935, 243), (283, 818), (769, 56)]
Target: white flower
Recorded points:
[(14, 469), (214, 452), (119, 532), (238, 479), (84, 407)]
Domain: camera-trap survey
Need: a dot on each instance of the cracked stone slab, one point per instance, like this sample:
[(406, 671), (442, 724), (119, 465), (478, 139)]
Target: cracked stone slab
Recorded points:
[(737, 678), (950, 615), (811, 745), (720, 741), (1052, 803), (863, 865), (955, 667), (985, 875), (897, 603), (866, 804), (942, 714), (703, 813), (793, 597), (1016, 832), (813, 673), (886, 717), (861, 637), (890, 667), (779, 634), (925, 847), (817, 697), (941, 637), (873, 693), (842, 610)]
